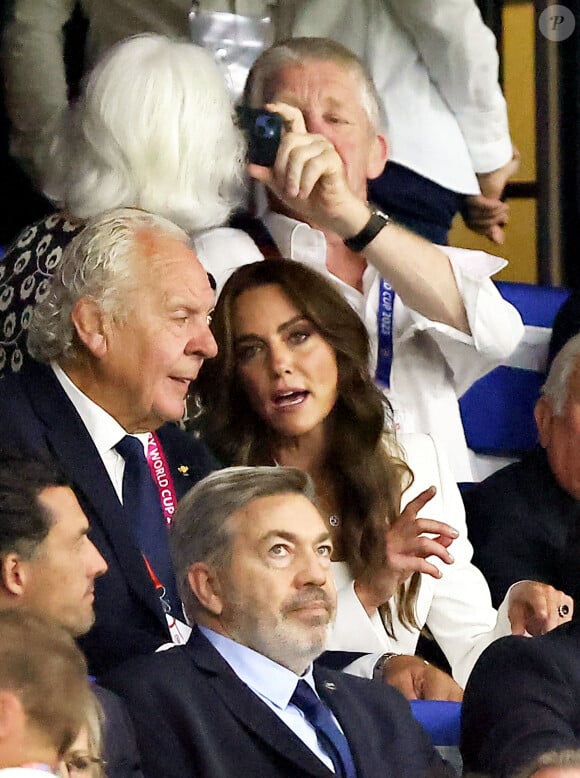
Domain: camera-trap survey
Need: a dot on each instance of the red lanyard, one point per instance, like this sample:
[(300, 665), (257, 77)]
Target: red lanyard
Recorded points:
[(161, 475)]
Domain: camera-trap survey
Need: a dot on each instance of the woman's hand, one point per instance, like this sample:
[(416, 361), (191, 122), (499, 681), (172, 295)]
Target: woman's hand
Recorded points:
[(536, 608), (419, 680), (407, 549)]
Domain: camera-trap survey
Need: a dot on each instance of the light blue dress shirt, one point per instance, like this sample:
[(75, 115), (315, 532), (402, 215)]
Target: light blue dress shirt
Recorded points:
[(273, 684)]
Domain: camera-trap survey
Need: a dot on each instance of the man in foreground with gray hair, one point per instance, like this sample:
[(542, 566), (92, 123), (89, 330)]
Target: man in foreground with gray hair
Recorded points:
[(252, 560), (524, 520), (119, 333)]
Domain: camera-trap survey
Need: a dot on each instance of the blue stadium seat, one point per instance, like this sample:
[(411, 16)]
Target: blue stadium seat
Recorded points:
[(497, 411), (442, 720)]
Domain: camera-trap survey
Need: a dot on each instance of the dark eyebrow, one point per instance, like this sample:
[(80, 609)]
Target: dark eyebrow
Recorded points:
[(291, 537), (282, 328)]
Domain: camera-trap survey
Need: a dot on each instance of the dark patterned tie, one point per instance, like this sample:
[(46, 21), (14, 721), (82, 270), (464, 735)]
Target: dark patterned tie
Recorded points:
[(141, 503), (331, 739)]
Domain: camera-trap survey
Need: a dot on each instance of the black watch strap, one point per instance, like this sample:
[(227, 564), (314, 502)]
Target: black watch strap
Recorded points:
[(371, 229)]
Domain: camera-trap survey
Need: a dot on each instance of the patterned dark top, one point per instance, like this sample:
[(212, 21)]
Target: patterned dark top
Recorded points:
[(25, 271)]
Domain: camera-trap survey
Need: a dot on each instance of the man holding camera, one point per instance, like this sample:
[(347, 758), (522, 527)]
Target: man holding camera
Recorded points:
[(434, 317)]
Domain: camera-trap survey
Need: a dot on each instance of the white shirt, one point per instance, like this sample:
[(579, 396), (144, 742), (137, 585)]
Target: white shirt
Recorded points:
[(273, 684), (433, 364), (104, 430), (435, 67), (457, 607)]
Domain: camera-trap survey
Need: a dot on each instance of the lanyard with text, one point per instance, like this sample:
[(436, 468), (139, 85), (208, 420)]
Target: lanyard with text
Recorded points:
[(162, 477), (385, 333), (161, 474)]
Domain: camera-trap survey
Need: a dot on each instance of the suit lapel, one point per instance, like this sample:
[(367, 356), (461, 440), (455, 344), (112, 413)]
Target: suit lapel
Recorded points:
[(183, 471), (188, 459), (252, 713), (352, 718), (73, 448)]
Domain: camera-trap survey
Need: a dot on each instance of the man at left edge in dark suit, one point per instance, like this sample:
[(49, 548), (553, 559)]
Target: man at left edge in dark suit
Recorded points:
[(118, 334), (252, 556)]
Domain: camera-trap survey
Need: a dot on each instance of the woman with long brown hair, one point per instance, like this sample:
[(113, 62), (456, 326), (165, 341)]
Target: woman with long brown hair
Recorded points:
[(290, 386)]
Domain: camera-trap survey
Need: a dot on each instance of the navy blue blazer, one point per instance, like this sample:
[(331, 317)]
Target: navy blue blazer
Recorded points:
[(194, 718), (521, 700), (36, 416), (523, 525)]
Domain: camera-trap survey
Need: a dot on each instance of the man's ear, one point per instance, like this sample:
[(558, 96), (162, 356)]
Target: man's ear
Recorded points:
[(206, 586), (13, 574), (378, 156), (89, 323), (544, 414), (12, 716)]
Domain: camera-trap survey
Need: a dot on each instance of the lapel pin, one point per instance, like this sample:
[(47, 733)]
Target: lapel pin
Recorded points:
[(183, 469)]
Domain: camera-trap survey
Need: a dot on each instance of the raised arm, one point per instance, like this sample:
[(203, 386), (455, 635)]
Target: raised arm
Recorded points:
[(34, 75), (309, 178)]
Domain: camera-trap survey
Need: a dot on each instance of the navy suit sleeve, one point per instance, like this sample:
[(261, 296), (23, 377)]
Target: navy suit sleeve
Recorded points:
[(491, 524), (518, 703), (512, 539)]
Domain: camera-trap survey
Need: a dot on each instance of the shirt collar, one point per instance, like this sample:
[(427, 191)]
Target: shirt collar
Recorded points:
[(265, 677), (296, 239), (105, 431)]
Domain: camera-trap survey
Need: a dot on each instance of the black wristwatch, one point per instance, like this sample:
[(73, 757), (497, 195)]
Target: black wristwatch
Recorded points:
[(371, 229)]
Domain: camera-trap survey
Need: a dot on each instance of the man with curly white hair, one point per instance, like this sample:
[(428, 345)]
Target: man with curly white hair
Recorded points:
[(120, 334)]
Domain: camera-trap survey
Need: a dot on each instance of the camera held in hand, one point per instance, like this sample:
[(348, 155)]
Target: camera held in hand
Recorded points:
[(263, 130)]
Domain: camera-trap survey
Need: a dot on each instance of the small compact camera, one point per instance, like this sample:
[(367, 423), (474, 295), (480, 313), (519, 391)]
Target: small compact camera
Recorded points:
[(263, 130)]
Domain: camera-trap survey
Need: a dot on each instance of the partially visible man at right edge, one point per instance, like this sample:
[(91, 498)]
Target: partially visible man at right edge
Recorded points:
[(524, 520), (522, 697)]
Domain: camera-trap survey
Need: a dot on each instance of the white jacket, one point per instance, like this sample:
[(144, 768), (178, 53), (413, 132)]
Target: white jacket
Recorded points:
[(457, 607)]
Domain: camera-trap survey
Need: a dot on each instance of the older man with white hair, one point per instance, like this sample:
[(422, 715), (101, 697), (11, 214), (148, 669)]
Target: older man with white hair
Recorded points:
[(524, 520), (119, 337)]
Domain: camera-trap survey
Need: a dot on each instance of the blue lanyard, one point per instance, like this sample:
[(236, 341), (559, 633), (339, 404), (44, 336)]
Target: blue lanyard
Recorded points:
[(385, 332)]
